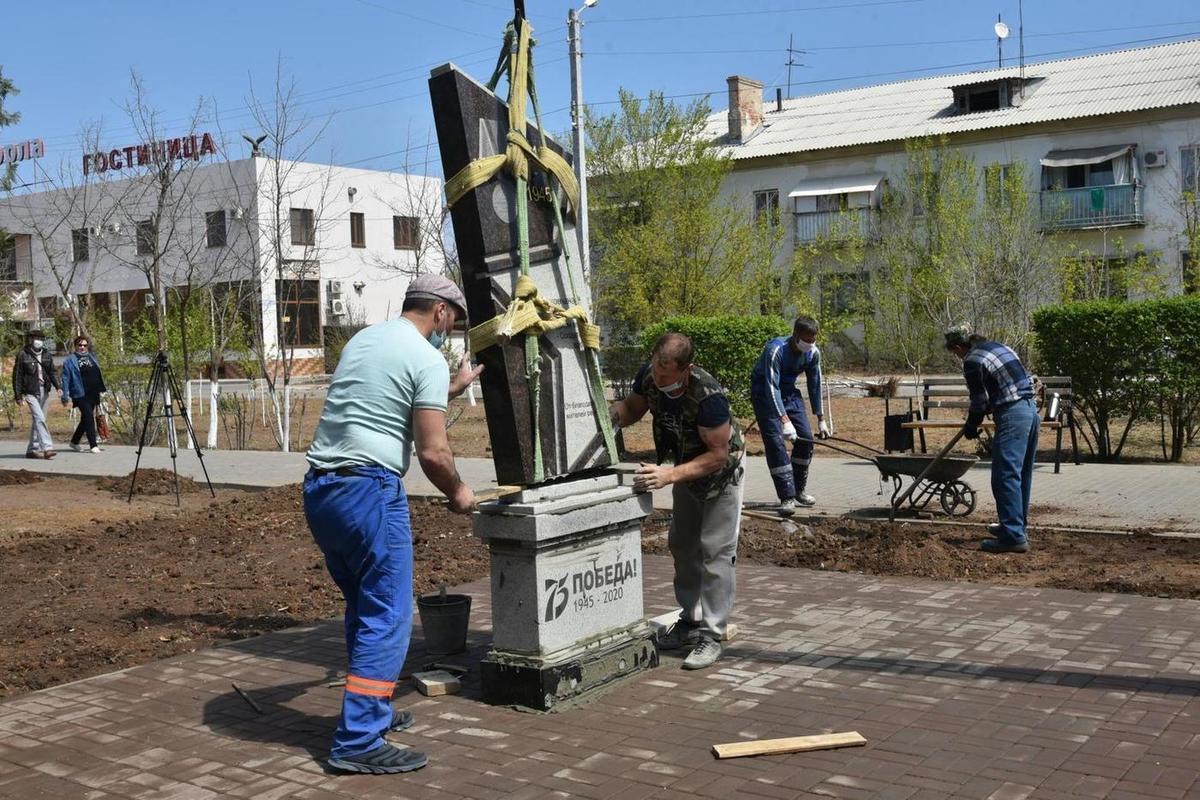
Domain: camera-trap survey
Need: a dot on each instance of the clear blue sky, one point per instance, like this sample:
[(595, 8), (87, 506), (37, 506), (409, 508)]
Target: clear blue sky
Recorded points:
[(365, 62)]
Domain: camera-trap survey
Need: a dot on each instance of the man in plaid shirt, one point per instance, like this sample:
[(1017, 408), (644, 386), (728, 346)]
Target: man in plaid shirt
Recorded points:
[(999, 385)]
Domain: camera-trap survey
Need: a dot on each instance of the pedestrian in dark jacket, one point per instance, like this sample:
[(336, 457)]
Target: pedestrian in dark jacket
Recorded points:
[(32, 379), (82, 384)]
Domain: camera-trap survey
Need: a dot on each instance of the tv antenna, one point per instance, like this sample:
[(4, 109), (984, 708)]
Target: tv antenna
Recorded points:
[(792, 62)]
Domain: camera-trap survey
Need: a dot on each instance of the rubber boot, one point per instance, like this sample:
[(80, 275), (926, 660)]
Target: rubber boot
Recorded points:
[(801, 475)]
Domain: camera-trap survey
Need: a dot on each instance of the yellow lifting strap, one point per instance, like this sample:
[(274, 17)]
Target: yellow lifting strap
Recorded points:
[(531, 313), (518, 150)]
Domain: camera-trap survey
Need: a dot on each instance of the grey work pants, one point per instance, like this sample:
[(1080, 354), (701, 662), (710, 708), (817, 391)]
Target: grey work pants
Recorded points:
[(39, 431), (703, 541)]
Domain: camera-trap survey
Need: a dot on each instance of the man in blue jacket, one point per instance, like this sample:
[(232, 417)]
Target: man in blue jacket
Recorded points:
[(779, 409)]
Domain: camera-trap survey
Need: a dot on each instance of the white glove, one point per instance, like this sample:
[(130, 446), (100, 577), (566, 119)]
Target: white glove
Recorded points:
[(823, 430), (789, 431)]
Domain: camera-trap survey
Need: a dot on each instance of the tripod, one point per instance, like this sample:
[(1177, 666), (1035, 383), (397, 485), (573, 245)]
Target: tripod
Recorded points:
[(162, 384)]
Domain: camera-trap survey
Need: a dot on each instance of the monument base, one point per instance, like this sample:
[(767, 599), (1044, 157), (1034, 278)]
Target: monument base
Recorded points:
[(541, 684), (567, 616)]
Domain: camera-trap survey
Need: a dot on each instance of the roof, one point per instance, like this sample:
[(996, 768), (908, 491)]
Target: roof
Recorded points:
[(1142, 79)]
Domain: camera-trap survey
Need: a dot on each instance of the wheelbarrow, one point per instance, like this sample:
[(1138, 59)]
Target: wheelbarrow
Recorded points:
[(932, 476)]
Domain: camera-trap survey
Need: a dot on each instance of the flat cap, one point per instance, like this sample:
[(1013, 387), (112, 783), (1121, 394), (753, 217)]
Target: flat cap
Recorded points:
[(438, 287), (35, 334), (958, 336)]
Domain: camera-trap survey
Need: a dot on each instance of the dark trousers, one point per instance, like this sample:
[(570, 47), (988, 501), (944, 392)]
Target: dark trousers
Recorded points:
[(87, 419)]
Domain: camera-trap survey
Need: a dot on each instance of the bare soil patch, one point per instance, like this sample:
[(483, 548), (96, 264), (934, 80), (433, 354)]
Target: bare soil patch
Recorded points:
[(19, 477), (114, 591), (1092, 562), (93, 584), (148, 482)]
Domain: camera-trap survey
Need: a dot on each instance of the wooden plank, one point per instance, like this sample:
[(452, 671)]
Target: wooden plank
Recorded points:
[(792, 744), (499, 491)]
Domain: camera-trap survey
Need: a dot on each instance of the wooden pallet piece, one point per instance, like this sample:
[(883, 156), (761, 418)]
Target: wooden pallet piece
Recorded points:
[(792, 744)]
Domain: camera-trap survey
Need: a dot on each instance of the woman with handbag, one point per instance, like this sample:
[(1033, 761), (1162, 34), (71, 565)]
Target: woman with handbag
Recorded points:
[(82, 384)]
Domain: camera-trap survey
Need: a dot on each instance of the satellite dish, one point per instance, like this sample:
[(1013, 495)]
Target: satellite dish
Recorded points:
[(1001, 30)]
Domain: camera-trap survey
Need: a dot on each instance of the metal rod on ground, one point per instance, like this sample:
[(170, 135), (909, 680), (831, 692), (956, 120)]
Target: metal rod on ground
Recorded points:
[(908, 492)]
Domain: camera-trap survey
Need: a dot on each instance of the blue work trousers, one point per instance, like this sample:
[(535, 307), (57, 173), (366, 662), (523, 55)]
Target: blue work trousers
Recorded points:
[(1014, 450), (361, 523), (790, 475)]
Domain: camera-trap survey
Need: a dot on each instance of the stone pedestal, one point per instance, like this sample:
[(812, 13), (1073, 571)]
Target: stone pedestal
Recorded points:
[(566, 567)]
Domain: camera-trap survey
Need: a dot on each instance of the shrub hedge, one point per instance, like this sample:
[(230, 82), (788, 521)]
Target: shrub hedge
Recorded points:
[(1128, 361), (726, 347)]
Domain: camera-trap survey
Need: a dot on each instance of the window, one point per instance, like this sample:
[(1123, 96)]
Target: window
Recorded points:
[(79, 245), (303, 228), (298, 306), (214, 228), (1189, 168), (996, 189), (145, 240), (358, 230), (1191, 273), (766, 205), (405, 233), (8, 260), (987, 96), (841, 293), (832, 202)]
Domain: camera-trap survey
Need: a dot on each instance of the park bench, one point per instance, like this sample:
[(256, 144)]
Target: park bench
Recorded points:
[(951, 394)]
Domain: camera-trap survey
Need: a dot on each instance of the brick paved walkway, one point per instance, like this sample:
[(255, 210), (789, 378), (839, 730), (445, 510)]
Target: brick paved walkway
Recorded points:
[(962, 691)]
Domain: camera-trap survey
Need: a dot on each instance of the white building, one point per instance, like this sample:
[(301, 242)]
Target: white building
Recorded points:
[(317, 245), (1110, 143)]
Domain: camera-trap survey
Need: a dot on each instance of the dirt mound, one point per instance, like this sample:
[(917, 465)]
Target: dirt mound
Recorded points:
[(1139, 564), (149, 482), (19, 477)]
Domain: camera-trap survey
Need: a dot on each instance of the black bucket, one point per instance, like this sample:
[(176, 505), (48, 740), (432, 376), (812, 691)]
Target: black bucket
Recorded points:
[(445, 619)]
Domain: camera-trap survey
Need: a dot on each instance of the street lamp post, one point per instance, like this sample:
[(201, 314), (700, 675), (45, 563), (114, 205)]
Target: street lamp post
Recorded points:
[(581, 215)]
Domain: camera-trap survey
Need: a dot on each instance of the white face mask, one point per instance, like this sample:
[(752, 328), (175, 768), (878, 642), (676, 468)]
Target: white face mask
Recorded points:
[(37, 344), (805, 347), (673, 390)]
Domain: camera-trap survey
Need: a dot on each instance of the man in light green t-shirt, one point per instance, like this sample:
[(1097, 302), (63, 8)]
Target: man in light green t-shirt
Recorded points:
[(388, 395)]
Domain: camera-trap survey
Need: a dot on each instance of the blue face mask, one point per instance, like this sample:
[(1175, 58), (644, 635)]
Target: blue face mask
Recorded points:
[(437, 338)]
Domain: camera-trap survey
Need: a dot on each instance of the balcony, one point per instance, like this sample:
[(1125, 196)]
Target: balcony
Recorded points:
[(837, 225), (1092, 207)]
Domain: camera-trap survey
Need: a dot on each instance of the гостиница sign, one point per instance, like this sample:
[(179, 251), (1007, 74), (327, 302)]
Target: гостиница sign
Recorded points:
[(193, 146)]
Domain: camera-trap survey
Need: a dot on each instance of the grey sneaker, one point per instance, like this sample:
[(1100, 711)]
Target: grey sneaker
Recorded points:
[(678, 635), (786, 507), (805, 499), (705, 654), (386, 759), (78, 448)]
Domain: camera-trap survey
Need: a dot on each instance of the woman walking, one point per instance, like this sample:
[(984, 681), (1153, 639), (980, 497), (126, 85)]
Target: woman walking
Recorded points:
[(82, 384)]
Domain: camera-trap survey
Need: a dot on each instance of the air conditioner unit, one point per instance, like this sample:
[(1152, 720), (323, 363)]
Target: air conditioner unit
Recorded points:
[(1154, 158), (237, 212), (338, 308), (335, 288), (149, 299), (113, 227)]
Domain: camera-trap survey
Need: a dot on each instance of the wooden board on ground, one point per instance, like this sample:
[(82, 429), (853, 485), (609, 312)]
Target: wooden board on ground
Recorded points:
[(792, 744), (436, 683)]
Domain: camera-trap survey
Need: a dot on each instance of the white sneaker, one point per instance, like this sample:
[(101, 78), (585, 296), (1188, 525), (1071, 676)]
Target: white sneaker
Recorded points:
[(78, 448), (96, 449), (805, 499), (786, 507), (705, 655)]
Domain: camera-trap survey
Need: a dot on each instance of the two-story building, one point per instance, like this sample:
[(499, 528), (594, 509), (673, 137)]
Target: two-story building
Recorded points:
[(316, 245), (1110, 143)]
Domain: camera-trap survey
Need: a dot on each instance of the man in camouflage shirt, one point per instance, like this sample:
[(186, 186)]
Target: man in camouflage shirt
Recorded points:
[(700, 452)]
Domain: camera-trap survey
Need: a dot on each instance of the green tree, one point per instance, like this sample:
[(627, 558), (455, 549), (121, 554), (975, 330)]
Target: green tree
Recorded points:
[(667, 240), (7, 118)]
